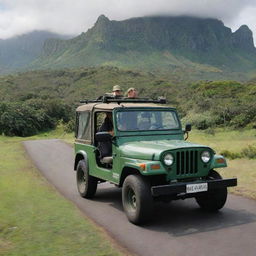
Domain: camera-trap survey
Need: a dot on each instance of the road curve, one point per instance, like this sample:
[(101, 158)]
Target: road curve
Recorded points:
[(178, 229)]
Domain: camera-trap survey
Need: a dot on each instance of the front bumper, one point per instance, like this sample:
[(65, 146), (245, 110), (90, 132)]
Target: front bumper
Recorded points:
[(180, 188)]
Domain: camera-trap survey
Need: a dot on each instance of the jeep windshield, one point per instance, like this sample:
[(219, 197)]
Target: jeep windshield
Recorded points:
[(147, 120)]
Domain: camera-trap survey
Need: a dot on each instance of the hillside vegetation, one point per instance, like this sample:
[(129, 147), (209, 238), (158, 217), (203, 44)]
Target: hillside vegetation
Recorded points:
[(37, 101)]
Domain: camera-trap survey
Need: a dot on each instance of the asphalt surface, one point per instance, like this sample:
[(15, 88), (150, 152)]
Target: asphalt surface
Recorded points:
[(178, 229)]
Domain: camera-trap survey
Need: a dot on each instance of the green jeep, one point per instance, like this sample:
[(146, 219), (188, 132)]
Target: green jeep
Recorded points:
[(148, 157)]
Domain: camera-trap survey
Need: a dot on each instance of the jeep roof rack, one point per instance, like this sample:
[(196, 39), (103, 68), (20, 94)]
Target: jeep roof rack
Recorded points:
[(109, 99)]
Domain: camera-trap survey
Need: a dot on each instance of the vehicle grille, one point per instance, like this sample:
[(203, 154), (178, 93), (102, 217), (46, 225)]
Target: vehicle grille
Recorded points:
[(187, 162)]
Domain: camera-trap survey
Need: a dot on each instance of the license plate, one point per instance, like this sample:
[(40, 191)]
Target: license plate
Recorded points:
[(194, 188)]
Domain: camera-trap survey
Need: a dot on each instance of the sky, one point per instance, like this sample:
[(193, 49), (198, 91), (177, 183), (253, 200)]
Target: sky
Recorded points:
[(72, 17)]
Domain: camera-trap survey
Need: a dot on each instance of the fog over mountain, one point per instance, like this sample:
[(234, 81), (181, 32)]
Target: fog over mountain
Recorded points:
[(73, 17), (19, 51)]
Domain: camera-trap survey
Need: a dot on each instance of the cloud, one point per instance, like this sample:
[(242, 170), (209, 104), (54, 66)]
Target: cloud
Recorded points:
[(76, 16)]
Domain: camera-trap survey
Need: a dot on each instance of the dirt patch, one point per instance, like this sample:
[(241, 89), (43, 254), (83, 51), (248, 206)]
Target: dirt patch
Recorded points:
[(5, 246)]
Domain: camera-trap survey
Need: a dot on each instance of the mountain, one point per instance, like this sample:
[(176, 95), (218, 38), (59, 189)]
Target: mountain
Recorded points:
[(17, 52), (168, 43)]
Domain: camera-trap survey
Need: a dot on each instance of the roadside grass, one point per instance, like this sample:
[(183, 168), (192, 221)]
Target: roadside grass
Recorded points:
[(35, 219), (244, 169), (58, 133)]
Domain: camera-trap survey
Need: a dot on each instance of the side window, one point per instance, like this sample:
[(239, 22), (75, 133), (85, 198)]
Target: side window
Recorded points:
[(83, 126), (100, 116)]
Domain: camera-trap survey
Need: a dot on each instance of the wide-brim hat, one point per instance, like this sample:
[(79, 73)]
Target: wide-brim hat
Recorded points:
[(116, 88)]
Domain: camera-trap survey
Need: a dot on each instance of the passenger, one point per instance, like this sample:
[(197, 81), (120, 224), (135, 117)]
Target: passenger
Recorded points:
[(117, 91), (132, 93)]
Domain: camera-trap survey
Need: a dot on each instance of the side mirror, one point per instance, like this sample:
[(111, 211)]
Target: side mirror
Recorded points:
[(103, 136), (188, 128)]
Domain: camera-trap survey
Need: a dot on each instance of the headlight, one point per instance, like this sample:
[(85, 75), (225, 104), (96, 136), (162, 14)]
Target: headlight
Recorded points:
[(205, 156), (168, 159)]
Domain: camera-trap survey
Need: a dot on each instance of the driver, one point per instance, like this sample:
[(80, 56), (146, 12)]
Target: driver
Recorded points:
[(105, 147)]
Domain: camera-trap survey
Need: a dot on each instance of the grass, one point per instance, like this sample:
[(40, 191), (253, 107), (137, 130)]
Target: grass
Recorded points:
[(58, 133), (34, 218), (244, 169)]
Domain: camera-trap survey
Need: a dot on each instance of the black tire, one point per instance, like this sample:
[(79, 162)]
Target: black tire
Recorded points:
[(213, 200), (137, 199), (86, 184)]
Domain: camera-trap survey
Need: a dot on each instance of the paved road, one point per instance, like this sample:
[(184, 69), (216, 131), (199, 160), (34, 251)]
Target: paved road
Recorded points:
[(179, 228)]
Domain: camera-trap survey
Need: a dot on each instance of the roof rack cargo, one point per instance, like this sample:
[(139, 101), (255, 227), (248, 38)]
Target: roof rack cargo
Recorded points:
[(109, 99)]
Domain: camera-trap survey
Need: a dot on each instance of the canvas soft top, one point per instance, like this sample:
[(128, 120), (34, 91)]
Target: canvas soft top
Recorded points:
[(112, 103), (111, 106)]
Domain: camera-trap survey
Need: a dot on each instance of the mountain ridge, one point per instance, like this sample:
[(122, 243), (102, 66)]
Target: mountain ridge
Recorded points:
[(151, 42), (156, 43)]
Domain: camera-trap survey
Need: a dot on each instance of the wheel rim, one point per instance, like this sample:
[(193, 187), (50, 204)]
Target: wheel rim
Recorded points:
[(82, 183), (131, 199)]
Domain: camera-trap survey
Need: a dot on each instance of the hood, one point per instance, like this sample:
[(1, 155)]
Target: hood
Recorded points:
[(149, 150)]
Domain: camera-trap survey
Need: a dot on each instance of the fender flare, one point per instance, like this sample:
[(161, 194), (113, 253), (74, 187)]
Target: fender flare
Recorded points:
[(80, 155)]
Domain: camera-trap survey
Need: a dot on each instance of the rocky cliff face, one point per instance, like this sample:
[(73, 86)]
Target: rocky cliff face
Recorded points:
[(242, 39), (171, 33), (155, 41)]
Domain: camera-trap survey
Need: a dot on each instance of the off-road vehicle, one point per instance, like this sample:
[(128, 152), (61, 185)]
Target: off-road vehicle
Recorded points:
[(151, 159)]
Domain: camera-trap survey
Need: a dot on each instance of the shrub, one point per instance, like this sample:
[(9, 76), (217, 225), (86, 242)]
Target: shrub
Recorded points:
[(230, 155), (249, 152), (201, 121), (32, 116), (210, 131), (70, 126)]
